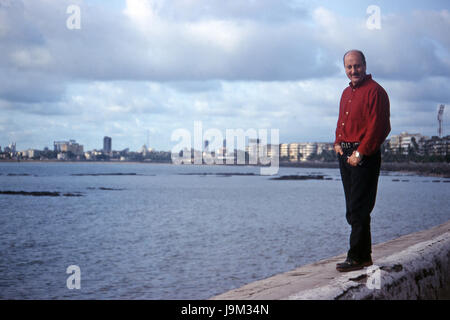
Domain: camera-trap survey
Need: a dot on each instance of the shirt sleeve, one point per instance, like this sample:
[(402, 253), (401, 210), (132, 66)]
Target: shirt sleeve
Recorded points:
[(338, 129), (378, 123)]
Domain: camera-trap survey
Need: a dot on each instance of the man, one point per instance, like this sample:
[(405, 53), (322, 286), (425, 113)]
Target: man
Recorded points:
[(362, 127)]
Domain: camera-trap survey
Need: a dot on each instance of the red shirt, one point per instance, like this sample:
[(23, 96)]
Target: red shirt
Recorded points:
[(364, 116)]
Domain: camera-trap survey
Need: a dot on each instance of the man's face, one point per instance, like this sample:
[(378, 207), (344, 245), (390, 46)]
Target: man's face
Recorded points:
[(354, 67)]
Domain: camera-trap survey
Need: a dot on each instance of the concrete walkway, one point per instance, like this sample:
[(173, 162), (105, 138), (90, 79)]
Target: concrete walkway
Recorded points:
[(414, 266)]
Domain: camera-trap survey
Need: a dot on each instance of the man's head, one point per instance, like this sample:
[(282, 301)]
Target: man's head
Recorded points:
[(355, 66)]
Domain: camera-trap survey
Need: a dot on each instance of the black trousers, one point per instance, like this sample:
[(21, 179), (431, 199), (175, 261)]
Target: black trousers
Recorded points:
[(360, 188)]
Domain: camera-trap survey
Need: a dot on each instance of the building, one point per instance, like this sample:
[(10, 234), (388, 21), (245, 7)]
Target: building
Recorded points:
[(324, 146), (273, 151), (252, 150), (406, 142), (437, 146), (284, 151), (302, 151), (94, 155), (107, 145), (222, 153), (11, 148), (143, 150), (293, 151), (306, 149), (31, 153), (70, 146)]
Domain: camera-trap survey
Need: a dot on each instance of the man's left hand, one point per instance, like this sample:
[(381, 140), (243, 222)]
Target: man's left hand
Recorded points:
[(353, 160)]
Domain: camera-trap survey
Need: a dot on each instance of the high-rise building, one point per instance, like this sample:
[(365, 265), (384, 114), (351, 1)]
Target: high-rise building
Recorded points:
[(107, 144)]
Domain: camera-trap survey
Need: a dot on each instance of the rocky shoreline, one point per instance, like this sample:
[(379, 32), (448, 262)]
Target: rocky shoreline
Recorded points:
[(41, 193), (426, 169), (438, 169)]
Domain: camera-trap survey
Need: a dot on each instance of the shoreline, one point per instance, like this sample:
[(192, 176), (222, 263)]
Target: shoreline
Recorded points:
[(432, 169), (412, 266)]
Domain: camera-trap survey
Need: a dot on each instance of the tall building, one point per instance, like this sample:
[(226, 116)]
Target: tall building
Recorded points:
[(107, 144)]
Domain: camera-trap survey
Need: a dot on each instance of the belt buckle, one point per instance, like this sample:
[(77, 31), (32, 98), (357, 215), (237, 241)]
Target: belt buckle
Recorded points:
[(349, 145)]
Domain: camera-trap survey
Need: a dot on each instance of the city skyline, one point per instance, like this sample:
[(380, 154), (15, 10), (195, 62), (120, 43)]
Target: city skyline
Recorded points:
[(137, 70), (106, 144)]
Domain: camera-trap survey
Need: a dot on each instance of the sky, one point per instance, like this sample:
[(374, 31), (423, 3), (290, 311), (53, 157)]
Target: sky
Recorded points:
[(138, 70)]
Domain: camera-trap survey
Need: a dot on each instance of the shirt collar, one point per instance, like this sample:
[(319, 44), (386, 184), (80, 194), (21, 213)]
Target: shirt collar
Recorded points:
[(367, 77)]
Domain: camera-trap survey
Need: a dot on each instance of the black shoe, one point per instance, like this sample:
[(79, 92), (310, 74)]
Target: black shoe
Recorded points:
[(348, 260), (365, 263), (351, 265)]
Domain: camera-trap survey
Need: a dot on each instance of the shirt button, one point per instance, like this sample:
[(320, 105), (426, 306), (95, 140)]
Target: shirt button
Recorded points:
[(349, 101), (346, 112), (340, 135), (342, 123), (353, 90)]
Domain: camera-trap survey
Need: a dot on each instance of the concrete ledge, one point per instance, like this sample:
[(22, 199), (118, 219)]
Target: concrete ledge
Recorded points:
[(414, 266)]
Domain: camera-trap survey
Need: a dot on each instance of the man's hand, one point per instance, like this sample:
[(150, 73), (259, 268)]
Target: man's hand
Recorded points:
[(338, 149), (353, 160)]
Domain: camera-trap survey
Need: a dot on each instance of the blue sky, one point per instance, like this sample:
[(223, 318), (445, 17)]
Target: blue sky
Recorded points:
[(141, 66), (354, 7)]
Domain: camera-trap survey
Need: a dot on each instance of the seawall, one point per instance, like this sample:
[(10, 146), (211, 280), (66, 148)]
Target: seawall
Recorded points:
[(414, 266)]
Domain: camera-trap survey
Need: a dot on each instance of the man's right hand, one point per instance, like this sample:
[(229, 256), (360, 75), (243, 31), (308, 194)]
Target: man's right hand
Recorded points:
[(338, 149)]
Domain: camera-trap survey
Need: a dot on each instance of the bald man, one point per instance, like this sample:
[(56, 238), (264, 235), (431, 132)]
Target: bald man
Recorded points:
[(362, 127)]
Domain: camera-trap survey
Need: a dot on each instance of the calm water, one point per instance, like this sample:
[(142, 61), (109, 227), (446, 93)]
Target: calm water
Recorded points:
[(171, 232)]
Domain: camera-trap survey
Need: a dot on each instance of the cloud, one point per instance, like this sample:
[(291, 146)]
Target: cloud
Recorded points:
[(192, 10), (426, 90), (204, 40), (218, 45), (159, 65), (407, 47), (146, 42)]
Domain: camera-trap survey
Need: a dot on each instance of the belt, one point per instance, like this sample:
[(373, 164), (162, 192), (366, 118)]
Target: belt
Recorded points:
[(349, 145)]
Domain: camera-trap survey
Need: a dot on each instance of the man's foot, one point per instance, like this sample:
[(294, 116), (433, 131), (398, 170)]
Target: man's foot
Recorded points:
[(367, 263), (352, 265)]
